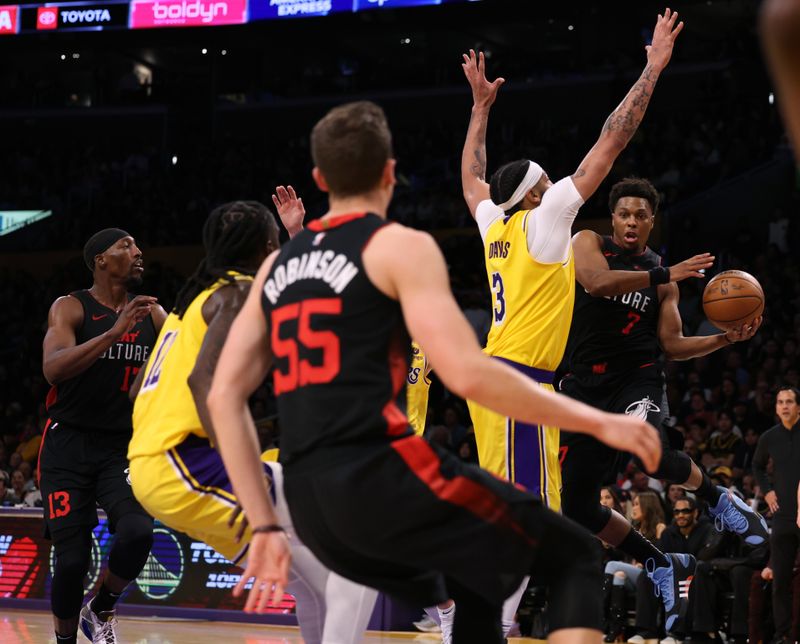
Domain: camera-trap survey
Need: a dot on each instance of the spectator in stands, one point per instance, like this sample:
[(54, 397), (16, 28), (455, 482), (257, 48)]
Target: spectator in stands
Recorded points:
[(7, 496), (743, 460), (781, 444), (724, 442), (18, 486), (688, 534), (699, 409), (674, 492)]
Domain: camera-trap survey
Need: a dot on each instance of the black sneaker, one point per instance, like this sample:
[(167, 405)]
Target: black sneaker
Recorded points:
[(733, 514), (671, 583)]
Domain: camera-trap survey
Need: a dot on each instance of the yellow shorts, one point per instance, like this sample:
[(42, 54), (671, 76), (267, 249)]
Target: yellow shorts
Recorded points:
[(523, 454), (188, 489)]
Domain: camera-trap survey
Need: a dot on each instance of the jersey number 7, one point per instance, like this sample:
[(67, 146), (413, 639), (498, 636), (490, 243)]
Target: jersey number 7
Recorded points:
[(300, 372)]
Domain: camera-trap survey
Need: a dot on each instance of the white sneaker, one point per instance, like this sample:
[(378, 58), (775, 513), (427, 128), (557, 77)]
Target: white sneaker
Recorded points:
[(427, 625), (98, 629), (636, 639), (669, 639)]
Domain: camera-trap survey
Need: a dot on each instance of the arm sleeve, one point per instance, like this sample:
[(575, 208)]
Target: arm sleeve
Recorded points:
[(485, 215), (760, 464), (549, 226)]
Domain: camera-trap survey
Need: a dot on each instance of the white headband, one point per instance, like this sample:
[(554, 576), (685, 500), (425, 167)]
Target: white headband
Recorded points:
[(531, 178)]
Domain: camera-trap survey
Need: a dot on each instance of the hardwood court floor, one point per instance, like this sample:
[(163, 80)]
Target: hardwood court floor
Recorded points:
[(36, 627)]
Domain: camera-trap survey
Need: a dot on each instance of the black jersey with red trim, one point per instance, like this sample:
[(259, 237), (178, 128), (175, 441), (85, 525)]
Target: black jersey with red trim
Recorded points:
[(340, 346), (613, 334), (97, 398)]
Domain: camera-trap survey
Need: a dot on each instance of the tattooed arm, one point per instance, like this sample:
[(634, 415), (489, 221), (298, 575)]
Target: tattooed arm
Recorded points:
[(219, 312), (623, 122), (473, 158)]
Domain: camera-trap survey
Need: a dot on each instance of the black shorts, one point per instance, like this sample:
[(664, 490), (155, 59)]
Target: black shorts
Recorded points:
[(80, 470), (639, 392), (407, 518)]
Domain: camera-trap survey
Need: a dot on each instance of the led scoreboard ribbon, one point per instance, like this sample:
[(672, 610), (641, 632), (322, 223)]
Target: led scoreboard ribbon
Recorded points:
[(147, 14)]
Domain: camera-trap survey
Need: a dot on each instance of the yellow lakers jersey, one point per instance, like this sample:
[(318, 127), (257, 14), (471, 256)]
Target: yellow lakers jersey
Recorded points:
[(164, 413), (532, 302), (417, 388)]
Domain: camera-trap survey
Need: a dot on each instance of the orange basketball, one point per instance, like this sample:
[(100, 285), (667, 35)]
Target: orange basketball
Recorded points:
[(733, 298)]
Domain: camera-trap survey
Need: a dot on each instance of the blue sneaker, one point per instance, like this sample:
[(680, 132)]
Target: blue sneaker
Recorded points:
[(731, 513), (671, 583)]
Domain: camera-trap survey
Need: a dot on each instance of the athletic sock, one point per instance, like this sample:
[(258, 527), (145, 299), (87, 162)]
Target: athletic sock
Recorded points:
[(641, 549), (104, 601), (709, 492), (446, 616), (67, 639)]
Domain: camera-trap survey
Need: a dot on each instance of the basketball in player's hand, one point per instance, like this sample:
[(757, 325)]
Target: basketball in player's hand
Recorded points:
[(733, 298)]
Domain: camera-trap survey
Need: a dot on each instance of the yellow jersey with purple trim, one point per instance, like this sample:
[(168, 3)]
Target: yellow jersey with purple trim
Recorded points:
[(417, 389), (164, 413), (531, 302)]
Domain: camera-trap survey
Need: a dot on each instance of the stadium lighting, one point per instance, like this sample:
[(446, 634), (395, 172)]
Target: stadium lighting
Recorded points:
[(771, 98), (204, 51), (174, 160)]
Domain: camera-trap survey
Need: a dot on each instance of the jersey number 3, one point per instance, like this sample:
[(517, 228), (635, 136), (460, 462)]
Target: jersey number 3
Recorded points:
[(499, 298), (300, 372)]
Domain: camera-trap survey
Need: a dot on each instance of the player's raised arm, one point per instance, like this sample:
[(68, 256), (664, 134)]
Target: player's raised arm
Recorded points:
[(623, 122), (242, 366), (473, 157), (290, 209), (435, 321), (780, 37)]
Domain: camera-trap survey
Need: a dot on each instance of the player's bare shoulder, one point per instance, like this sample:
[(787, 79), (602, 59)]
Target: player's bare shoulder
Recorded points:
[(587, 240), (394, 250), (66, 309)]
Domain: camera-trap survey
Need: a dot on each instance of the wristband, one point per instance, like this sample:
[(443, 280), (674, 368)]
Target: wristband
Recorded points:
[(659, 275), (270, 527)]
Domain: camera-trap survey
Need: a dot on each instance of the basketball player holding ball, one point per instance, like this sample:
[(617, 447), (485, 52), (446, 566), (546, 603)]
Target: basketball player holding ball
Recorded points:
[(625, 321)]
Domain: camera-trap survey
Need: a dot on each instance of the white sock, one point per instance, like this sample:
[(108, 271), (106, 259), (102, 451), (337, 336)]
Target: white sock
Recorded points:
[(446, 616), (511, 604)]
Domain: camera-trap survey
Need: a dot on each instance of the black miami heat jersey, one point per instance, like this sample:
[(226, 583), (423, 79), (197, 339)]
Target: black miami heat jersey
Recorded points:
[(97, 398), (340, 346), (613, 334)]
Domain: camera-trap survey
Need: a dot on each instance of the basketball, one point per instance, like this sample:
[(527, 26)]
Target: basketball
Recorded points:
[(733, 298)]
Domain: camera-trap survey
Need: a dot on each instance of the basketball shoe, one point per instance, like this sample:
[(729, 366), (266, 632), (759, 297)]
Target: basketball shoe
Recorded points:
[(98, 629), (731, 513), (672, 583)]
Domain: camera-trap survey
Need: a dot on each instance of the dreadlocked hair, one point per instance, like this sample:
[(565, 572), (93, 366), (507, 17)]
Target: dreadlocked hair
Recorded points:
[(506, 180), (233, 234)]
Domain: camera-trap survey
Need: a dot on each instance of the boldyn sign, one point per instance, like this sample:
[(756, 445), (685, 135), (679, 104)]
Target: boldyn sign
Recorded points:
[(146, 14)]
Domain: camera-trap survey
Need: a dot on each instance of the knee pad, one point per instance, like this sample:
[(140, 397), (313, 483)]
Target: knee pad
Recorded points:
[(675, 466), (134, 538), (72, 548)]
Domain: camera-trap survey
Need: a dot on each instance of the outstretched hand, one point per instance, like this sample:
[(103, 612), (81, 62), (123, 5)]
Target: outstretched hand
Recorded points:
[(268, 561), (659, 51), (290, 209), (484, 93), (692, 267), (634, 435)]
